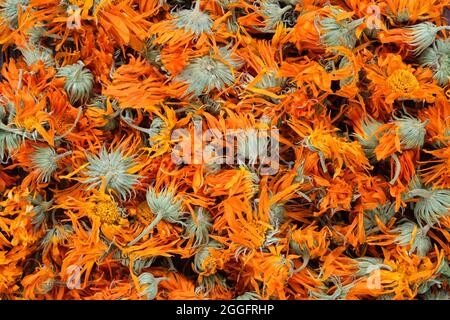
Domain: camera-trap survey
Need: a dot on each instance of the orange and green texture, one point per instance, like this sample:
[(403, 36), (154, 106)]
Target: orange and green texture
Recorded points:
[(93, 204)]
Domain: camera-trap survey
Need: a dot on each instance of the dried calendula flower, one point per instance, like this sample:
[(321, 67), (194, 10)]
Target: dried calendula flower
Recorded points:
[(199, 227), (384, 213), (57, 234), (202, 259), (422, 35), (40, 209), (431, 205), (79, 81), (368, 138), (437, 57), (35, 54), (411, 234), (336, 32), (165, 206), (9, 11), (9, 141), (149, 284), (111, 170), (339, 293), (277, 214), (248, 296), (411, 132), (213, 71), (156, 127), (194, 20), (367, 265), (104, 112), (273, 13), (44, 161)]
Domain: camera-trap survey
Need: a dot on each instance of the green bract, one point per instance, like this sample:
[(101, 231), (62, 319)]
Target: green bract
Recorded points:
[(421, 243), (383, 212), (10, 11), (199, 228), (273, 14), (44, 162), (9, 141), (204, 253), (431, 206), (367, 265), (164, 206), (437, 58), (34, 55), (422, 35), (411, 132), (339, 33), (369, 141), (79, 82), (112, 167), (204, 74), (149, 284), (194, 20)]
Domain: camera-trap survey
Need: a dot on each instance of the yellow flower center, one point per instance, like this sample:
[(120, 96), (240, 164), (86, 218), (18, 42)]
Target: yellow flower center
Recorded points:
[(403, 82), (29, 123), (107, 211)]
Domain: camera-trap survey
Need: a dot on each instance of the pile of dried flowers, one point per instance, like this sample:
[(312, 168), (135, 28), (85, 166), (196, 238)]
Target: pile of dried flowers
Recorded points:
[(98, 202)]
